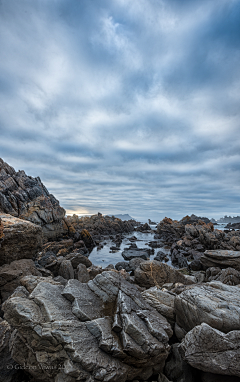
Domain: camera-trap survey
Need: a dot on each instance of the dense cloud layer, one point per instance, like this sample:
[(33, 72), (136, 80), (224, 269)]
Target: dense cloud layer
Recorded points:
[(124, 106)]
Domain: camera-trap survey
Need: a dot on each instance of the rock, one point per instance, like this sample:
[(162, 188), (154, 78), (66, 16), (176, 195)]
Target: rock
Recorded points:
[(162, 301), (129, 254), (99, 331), (87, 238), (162, 378), (78, 258), (221, 259), (82, 273), (143, 227), (9, 369), (11, 274), (94, 270), (99, 225), (154, 273), (66, 270), (27, 198), (161, 256), (227, 276), (22, 239), (123, 265), (134, 263), (177, 369), (210, 350), (214, 303)]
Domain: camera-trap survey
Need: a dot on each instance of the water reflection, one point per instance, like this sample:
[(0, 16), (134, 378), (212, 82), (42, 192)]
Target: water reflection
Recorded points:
[(105, 256)]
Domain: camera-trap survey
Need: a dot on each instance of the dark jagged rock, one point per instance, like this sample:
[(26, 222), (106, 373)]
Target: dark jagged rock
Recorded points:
[(99, 225), (229, 276), (99, 331), (22, 239), (27, 198), (143, 228)]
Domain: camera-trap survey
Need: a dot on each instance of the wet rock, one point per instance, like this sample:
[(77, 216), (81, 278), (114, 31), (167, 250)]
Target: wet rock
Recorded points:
[(27, 198), (102, 330), (214, 303), (22, 239), (132, 253), (210, 350), (82, 273), (11, 274), (66, 270), (221, 259), (154, 273)]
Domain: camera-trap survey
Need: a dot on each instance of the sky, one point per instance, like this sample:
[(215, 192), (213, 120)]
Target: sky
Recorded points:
[(124, 106)]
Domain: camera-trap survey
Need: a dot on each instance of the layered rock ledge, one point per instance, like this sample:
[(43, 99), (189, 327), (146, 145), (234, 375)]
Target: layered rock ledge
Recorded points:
[(100, 331)]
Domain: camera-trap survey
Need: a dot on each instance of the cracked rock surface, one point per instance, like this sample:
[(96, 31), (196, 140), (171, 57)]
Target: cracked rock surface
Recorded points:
[(221, 259), (102, 330), (210, 350), (214, 303)]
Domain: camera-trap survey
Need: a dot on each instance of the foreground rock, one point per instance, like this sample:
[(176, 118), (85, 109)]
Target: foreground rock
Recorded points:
[(27, 198), (154, 273), (212, 351), (22, 239), (221, 259), (214, 303), (11, 274), (99, 331)]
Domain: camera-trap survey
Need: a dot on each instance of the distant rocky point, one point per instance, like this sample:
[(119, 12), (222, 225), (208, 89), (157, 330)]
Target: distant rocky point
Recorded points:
[(123, 217)]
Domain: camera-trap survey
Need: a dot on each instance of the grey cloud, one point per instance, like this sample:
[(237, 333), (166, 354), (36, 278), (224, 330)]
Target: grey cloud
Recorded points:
[(124, 106)]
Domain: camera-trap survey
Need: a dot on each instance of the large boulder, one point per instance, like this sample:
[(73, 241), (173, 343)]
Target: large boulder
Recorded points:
[(210, 350), (154, 273), (221, 259), (22, 239), (27, 198), (11, 274), (99, 331), (214, 303)]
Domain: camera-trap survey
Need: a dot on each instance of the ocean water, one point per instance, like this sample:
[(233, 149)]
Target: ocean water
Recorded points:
[(104, 256)]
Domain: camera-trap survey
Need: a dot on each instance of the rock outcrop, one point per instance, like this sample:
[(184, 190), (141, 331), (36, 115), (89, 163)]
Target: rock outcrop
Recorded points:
[(221, 259), (214, 303), (154, 273), (27, 198), (100, 331), (22, 239), (210, 350), (99, 225)]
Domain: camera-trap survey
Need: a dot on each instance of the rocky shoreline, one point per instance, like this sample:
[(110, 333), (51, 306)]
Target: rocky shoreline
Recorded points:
[(64, 319)]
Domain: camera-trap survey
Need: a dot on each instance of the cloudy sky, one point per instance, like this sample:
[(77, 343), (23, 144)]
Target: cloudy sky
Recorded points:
[(124, 106)]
